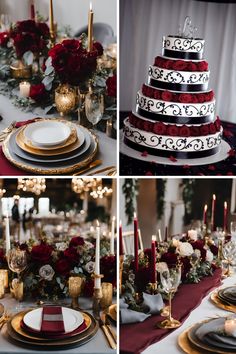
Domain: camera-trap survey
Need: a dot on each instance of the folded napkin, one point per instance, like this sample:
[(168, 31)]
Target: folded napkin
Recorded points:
[(130, 316), (214, 326), (52, 320), (7, 169), (25, 122), (154, 303)]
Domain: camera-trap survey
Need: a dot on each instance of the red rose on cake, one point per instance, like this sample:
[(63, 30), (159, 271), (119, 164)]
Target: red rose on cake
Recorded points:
[(147, 126), (158, 62), (212, 128), (204, 130), (201, 97), (180, 65), (209, 96), (159, 128), (184, 131), (185, 98), (172, 130), (194, 99), (166, 96), (169, 64), (202, 66), (149, 92), (217, 123), (157, 94), (195, 131)]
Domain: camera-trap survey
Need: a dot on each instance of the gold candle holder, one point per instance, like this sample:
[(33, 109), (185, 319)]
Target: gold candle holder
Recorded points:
[(2, 288), (75, 289), (4, 276), (17, 289), (121, 264), (65, 99), (21, 71), (90, 29), (153, 288), (97, 296), (107, 292)]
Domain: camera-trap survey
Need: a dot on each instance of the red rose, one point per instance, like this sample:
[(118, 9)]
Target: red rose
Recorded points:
[(2, 256), (111, 86), (184, 131), (214, 250), (108, 268), (217, 124), (131, 119), (180, 65), (212, 128), (144, 89), (199, 245), (72, 45), (175, 97), (147, 126), (88, 288), (194, 99), (159, 128), (172, 130), (169, 64), (98, 47), (201, 97), (204, 130), (72, 255), (158, 62), (170, 258), (4, 39), (157, 94), (149, 92), (209, 96), (185, 98), (38, 92), (43, 29), (26, 26), (202, 66), (195, 131), (139, 124), (192, 66), (166, 96), (76, 241), (41, 253), (63, 267)]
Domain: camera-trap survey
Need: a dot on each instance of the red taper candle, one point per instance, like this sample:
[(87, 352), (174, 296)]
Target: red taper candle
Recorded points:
[(205, 214), (135, 243), (166, 234), (32, 11), (213, 208), (153, 260), (121, 248), (225, 216)]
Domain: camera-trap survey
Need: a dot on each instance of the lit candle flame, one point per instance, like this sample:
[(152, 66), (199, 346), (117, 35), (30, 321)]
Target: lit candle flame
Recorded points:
[(114, 218), (97, 222), (120, 223), (154, 238), (225, 205), (135, 215), (214, 197), (205, 207)]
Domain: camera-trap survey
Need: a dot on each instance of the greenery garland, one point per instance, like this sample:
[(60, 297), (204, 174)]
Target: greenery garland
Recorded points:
[(188, 193), (160, 191), (130, 190)]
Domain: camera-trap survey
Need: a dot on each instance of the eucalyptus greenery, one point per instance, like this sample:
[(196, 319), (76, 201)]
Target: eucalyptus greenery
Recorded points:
[(161, 190), (188, 193), (130, 191)]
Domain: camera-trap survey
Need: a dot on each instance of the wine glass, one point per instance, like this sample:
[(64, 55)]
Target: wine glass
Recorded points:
[(170, 281), (5, 22), (233, 230), (94, 107), (228, 252)]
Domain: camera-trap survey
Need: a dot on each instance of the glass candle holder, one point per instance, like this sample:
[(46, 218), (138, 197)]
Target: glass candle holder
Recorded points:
[(2, 289), (75, 289), (107, 292), (65, 99), (20, 71), (4, 276), (18, 289)]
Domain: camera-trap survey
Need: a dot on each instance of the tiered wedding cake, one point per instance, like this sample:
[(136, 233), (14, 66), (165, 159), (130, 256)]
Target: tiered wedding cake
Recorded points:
[(175, 111)]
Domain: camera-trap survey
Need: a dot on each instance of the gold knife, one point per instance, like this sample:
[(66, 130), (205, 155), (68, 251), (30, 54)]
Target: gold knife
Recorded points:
[(102, 170), (108, 324), (91, 165), (107, 334)]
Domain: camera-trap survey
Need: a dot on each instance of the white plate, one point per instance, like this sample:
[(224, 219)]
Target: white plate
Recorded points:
[(72, 319), (47, 133), (222, 154)]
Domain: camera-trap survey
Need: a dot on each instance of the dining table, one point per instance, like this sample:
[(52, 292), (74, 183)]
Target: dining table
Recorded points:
[(10, 113), (97, 345)]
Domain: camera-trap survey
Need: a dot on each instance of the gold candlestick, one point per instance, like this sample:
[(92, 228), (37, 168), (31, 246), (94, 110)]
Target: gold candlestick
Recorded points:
[(51, 21), (153, 288), (97, 296), (121, 271), (90, 29)]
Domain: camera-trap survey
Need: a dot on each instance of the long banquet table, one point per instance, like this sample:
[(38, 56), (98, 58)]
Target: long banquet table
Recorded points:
[(97, 345), (9, 113), (205, 310)]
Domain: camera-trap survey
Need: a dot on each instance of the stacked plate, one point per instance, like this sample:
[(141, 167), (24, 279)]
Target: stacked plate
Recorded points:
[(228, 295), (25, 328), (50, 147), (210, 336)]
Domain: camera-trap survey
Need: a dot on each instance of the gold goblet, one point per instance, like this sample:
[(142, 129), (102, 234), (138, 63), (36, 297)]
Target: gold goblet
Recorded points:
[(107, 292), (75, 289)]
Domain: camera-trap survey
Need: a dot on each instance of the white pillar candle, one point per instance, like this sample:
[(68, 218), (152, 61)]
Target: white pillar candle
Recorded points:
[(112, 240), (97, 283), (24, 89), (7, 232), (159, 235), (230, 326)]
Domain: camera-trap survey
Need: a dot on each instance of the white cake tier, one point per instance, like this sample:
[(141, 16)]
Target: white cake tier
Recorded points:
[(175, 112), (192, 144), (188, 81), (183, 48)]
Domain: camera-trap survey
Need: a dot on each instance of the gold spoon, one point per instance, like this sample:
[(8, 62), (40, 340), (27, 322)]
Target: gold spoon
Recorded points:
[(91, 165)]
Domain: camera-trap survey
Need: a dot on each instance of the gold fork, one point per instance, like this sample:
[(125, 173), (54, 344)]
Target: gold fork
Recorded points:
[(89, 167)]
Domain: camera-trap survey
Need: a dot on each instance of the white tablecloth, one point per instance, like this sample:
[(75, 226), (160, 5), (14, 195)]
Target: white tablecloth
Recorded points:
[(206, 309), (107, 146), (97, 345)]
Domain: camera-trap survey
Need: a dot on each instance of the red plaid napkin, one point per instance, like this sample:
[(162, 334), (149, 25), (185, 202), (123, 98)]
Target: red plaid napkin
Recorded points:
[(52, 320)]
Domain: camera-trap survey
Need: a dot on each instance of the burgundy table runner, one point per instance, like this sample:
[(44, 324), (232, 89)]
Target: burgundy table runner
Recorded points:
[(134, 338)]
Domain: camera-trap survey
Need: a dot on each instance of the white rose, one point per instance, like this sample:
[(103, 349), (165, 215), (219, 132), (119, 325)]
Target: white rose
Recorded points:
[(61, 246), (192, 234), (209, 256), (175, 242), (161, 267), (46, 272), (90, 267), (198, 253), (185, 249)]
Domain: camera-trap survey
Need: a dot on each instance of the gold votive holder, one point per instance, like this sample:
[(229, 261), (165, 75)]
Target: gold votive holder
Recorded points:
[(17, 289), (20, 71), (153, 288), (107, 292), (2, 288), (65, 99), (75, 289), (4, 276)]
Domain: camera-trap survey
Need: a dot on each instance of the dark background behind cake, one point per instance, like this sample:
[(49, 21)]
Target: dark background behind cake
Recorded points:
[(144, 22)]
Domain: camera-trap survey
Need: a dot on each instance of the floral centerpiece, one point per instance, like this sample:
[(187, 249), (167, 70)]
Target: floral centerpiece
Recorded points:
[(49, 266)]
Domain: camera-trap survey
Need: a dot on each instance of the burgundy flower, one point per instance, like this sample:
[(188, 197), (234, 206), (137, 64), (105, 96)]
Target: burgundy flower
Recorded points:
[(108, 268), (184, 131), (195, 131), (88, 288), (204, 130), (194, 99), (166, 96), (41, 253), (63, 267), (185, 98), (157, 94), (158, 61), (217, 124), (38, 92), (214, 249), (180, 65), (172, 130), (2, 256), (111, 86), (4, 39), (72, 255), (201, 97), (209, 96), (159, 128), (76, 241), (98, 48), (170, 258), (149, 92), (139, 124), (147, 126), (212, 128), (192, 66), (169, 64), (144, 89), (202, 66)]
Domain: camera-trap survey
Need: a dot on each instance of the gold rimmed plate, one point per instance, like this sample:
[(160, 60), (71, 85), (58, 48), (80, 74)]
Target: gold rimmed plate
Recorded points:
[(221, 304), (74, 341), (60, 168), (1, 310), (187, 347)]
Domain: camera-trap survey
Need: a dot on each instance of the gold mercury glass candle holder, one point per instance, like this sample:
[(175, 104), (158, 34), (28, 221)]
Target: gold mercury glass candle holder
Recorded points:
[(17, 289), (97, 296), (65, 99), (2, 288), (107, 292), (20, 71), (4, 276), (75, 289)]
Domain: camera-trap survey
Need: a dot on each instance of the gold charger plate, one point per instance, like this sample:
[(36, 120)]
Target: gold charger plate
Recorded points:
[(187, 346), (16, 325), (77, 340), (72, 138), (204, 346), (51, 171), (112, 312), (46, 152), (216, 300), (1, 310)]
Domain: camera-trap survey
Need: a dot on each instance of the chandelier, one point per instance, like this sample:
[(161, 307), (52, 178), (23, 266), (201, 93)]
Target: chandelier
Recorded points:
[(82, 185), (33, 185), (101, 192)]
